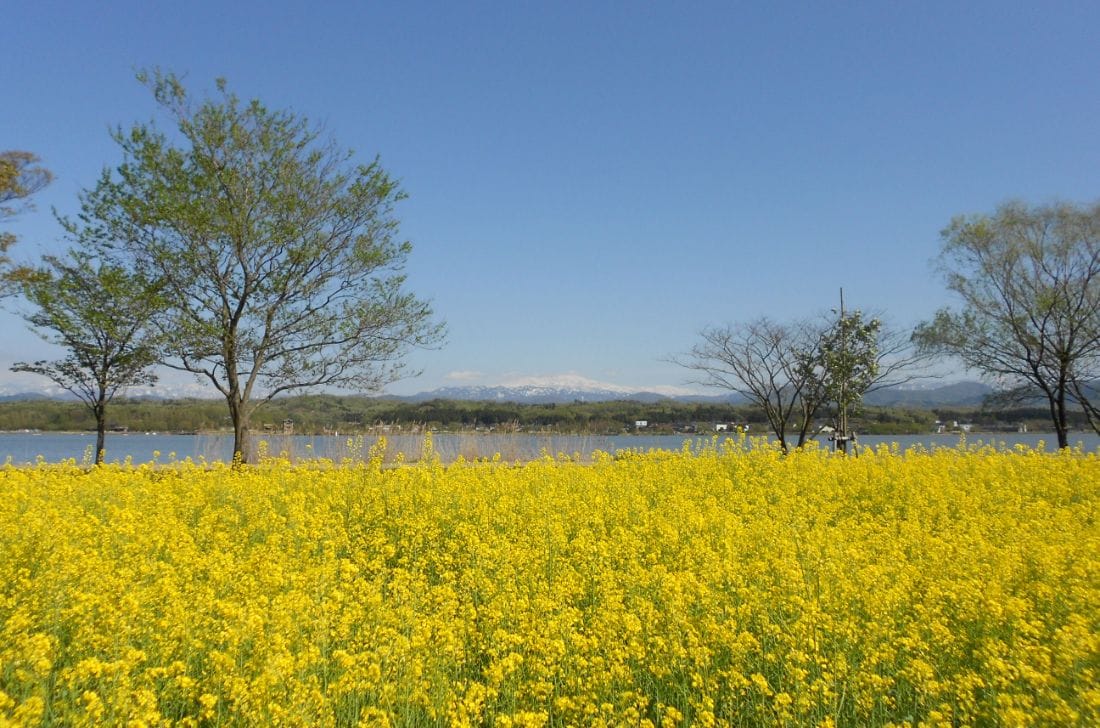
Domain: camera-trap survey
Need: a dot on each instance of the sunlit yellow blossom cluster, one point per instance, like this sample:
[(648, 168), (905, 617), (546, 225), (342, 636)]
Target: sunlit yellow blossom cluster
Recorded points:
[(732, 586)]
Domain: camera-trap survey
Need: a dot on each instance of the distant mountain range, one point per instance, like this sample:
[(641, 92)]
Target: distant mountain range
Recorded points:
[(536, 394), (27, 396), (924, 396), (955, 393)]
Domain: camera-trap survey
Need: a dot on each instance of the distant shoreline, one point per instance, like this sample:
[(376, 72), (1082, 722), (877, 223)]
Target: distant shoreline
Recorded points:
[(368, 417)]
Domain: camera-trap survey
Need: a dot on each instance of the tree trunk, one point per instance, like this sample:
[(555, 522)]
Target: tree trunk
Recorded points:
[(779, 428), (1061, 425), (804, 432), (240, 430), (1057, 401), (100, 432), (777, 423)]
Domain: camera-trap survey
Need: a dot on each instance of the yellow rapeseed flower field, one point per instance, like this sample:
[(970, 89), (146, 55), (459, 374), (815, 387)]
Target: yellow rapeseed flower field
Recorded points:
[(731, 586)]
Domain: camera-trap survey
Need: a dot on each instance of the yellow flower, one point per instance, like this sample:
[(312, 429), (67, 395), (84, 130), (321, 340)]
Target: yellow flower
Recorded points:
[(707, 586)]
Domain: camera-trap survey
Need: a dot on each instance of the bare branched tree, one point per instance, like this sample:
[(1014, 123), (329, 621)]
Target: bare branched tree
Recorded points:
[(766, 363)]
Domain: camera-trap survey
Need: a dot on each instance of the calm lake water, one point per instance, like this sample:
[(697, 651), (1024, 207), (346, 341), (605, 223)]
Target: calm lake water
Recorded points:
[(25, 447)]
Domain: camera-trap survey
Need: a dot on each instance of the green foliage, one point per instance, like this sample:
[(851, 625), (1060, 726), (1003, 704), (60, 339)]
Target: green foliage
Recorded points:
[(100, 313), (20, 177), (846, 360)]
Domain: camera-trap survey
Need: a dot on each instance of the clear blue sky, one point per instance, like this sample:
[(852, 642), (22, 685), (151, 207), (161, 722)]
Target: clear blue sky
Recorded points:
[(592, 183)]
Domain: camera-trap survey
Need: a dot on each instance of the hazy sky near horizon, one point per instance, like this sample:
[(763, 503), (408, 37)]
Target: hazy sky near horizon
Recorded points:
[(592, 183)]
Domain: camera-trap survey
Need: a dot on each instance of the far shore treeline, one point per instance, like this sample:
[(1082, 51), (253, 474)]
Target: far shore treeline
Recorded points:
[(320, 414)]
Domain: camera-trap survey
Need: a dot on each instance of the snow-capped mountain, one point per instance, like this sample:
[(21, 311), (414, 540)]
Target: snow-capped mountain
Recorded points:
[(47, 390), (546, 390), (552, 389), (532, 395)]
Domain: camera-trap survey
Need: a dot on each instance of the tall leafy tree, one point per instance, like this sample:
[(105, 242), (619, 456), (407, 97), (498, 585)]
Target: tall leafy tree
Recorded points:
[(1029, 283), (280, 260), (100, 313)]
